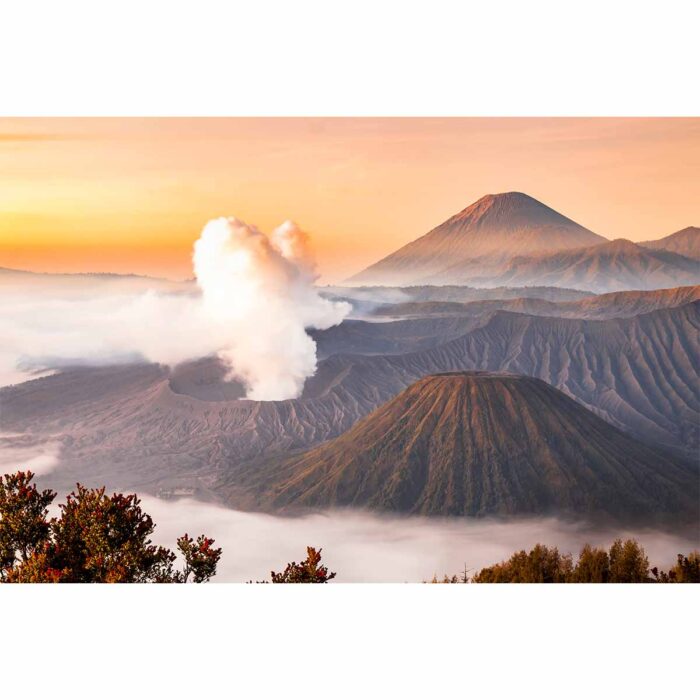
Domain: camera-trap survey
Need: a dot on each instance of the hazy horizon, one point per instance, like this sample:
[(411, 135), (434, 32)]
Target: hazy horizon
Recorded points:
[(132, 195)]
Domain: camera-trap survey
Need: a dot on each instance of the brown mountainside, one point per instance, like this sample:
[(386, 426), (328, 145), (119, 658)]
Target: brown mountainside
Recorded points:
[(483, 444)]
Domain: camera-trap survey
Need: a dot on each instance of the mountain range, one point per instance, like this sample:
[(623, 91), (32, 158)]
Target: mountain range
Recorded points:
[(530, 366), (609, 267), (147, 427), (412, 326), (511, 239), (612, 305), (638, 373)]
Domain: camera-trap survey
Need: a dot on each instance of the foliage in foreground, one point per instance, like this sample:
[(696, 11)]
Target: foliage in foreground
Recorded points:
[(308, 571), (105, 539), (624, 562), (96, 539)]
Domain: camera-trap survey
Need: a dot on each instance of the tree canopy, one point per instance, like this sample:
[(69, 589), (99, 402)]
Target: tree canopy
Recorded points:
[(96, 538), (308, 571), (624, 562)]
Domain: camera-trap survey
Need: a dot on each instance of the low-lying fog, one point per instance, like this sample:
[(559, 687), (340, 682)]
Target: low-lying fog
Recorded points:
[(363, 547), (15, 454)]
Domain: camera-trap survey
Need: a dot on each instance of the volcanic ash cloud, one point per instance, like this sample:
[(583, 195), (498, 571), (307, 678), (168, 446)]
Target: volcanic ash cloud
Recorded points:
[(258, 291)]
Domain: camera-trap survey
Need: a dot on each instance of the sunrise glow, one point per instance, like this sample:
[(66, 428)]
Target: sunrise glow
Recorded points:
[(131, 195)]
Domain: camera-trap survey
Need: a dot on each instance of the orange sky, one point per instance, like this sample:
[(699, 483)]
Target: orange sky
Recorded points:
[(131, 195)]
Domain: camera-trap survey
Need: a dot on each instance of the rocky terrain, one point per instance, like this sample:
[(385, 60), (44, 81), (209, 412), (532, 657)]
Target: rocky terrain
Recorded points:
[(639, 373), (393, 337), (476, 444), (147, 427)]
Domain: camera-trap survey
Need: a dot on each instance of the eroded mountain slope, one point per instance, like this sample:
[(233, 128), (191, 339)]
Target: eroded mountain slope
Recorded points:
[(481, 443), (144, 426)]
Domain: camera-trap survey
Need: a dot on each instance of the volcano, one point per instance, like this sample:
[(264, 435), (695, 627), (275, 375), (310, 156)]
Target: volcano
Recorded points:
[(484, 444), (491, 230)]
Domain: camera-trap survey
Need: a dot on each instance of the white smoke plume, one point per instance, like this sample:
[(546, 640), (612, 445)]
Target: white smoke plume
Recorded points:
[(261, 290), (253, 300)]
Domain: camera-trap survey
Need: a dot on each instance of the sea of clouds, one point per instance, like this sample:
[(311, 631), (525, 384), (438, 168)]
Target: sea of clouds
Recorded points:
[(366, 547)]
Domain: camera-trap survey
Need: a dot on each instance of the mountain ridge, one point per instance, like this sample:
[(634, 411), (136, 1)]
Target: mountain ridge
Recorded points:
[(613, 266), (621, 304), (684, 242)]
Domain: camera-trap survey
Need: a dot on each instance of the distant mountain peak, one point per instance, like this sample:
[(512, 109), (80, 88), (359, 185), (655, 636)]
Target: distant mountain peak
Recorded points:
[(511, 198), (511, 209), (496, 225)]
